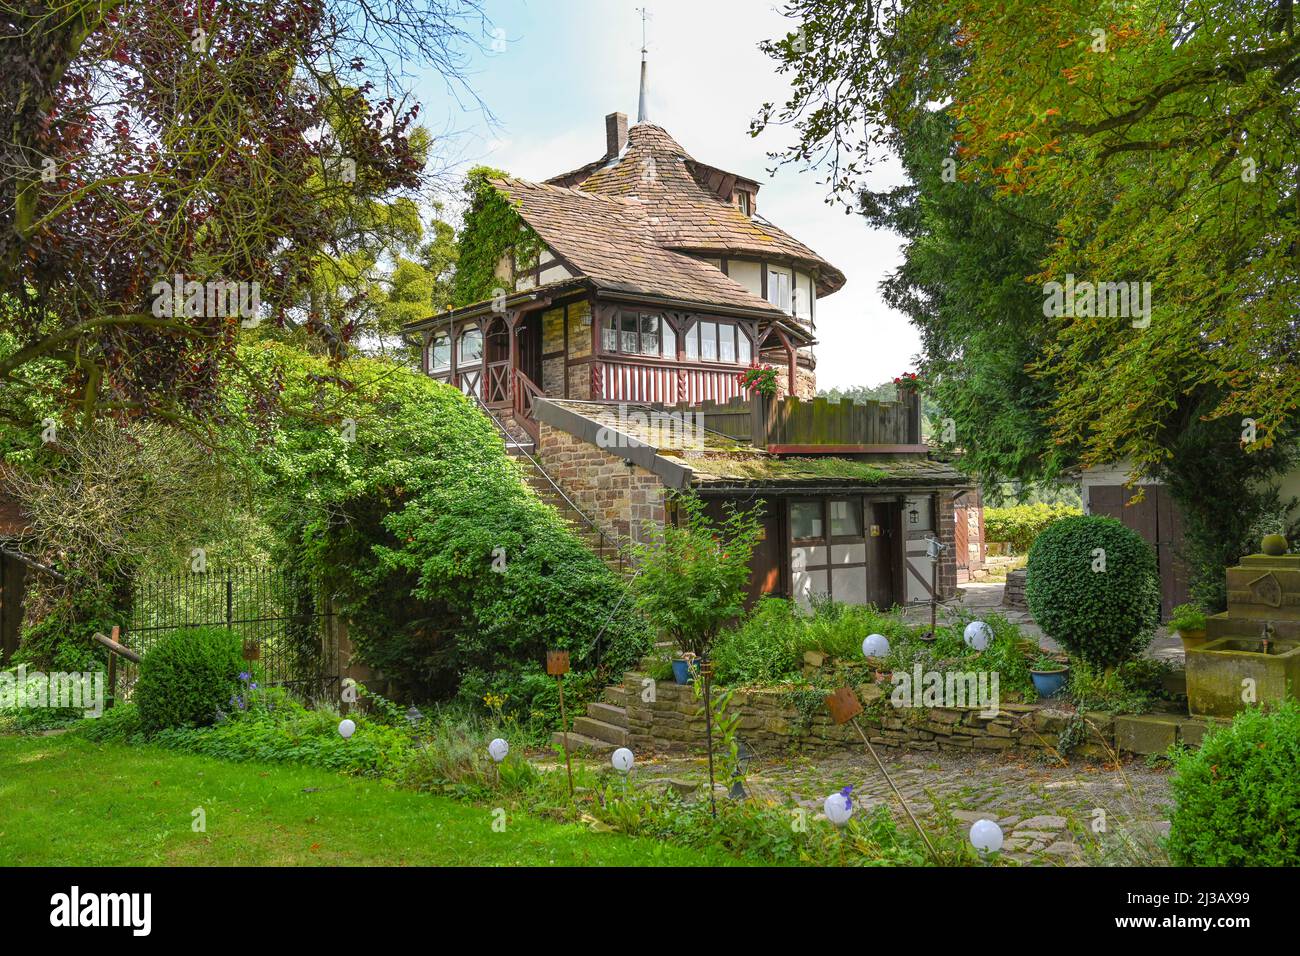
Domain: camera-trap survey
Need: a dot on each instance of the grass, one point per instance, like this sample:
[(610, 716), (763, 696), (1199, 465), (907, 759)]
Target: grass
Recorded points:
[(65, 801)]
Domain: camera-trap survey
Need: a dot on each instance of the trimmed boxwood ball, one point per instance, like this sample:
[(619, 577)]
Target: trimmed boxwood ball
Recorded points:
[(186, 677), (1237, 798), (1104, 616)]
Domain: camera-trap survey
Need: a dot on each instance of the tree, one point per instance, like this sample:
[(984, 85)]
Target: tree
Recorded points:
[(1112, 152), (1163, 140), (192, 138), (691, 575)]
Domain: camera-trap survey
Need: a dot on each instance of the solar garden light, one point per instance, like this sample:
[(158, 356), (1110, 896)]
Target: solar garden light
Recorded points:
[(497, 750), (347, 727), (986, 836), (845, 707), (622, 761), (977, 635), (876, 645), (557, 665)]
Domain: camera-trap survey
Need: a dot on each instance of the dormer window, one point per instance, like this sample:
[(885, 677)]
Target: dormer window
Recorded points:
[(744, 202)]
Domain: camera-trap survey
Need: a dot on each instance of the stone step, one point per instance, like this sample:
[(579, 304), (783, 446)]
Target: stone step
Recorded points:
[(615, 694), (598, 729), (609, 713), (579, 743)]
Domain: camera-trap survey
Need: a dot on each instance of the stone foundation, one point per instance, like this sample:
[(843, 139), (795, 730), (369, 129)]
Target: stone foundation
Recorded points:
[(621, 499)]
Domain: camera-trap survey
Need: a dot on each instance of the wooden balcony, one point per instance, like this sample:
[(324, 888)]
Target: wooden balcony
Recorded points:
[(792, 426)]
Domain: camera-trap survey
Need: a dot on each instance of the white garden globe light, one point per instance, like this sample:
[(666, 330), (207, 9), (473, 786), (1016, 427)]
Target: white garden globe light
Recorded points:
[(347, 728), (876, 645), (498, 749), (622, 760), (837, 809), (986, 836), (978, 634)]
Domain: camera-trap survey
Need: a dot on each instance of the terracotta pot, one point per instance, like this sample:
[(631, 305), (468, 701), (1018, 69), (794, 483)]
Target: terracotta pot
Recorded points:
[(1192, 638)]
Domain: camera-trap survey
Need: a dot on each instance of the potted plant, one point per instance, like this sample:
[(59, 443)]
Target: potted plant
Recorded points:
[(1189, 621), (1049, 674), (691, 576)]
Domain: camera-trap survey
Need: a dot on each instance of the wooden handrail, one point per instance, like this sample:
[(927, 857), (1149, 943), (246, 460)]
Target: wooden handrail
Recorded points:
[(525, 391)]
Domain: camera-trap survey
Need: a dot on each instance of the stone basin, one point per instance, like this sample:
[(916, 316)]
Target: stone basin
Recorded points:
[(1217, 672)]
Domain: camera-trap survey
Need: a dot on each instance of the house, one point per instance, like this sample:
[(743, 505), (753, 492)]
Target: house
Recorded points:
[(611, 360)]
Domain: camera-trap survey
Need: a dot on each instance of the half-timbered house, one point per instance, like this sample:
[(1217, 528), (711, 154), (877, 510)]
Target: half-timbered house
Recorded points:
[(657, 280)]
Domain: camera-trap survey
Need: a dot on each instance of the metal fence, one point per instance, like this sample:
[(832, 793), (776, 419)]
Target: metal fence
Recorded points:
[(282, 619)]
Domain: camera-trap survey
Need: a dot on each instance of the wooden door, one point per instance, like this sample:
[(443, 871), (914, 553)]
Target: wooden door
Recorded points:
[(882, 553), (1157, 521)]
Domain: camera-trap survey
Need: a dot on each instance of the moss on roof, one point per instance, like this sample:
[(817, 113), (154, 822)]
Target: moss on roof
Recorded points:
[(757, 467)]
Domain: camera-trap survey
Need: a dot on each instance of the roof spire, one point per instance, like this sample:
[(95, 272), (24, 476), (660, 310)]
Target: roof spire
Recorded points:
[(640, 109)]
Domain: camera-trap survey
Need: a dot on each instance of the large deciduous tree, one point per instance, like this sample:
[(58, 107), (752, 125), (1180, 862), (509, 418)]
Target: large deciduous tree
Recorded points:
[(1082, 142)]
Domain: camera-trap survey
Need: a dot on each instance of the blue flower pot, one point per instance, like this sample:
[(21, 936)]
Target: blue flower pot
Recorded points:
[(1049, 683), (683, 671)]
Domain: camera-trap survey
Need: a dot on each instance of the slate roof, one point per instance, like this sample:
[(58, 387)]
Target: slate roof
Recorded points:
[(611, 240), (683, 212)]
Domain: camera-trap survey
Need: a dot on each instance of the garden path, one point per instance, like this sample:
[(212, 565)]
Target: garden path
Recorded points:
[(1083, 814), (987, 595)]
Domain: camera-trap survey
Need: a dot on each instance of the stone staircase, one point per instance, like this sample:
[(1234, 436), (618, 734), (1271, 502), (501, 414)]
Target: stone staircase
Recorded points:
[(603, 728)]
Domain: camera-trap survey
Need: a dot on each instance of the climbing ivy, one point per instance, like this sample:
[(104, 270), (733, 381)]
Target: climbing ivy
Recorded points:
[(490, 228)]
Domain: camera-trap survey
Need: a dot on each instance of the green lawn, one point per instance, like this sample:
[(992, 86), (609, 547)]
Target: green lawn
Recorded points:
[(67, 802)]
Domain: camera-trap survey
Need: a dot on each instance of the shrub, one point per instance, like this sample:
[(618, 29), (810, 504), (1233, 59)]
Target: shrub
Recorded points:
[(691, 576), (1020, 525), (454, 577), (1237, 799), (762, 649), (1091, 584), (187, 677)]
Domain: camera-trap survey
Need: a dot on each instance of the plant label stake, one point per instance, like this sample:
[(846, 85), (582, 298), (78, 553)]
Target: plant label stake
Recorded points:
[(706, 673), (557, 665), (845, 707)]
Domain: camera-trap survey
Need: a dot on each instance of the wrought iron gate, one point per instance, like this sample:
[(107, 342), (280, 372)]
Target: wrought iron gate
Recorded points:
[(282, 618)]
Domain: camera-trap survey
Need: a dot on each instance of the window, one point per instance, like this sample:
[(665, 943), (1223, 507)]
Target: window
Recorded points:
[(806, 520), (719, 342), (846, 518), (439, 353), (743, 202), (778, 289), (709, 341), (471, 347), (638, 333)]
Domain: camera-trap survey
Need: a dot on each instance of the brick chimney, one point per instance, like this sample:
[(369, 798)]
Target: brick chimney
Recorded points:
[(615, 134)]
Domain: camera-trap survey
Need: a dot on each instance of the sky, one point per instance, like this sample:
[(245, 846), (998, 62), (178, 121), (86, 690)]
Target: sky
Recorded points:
[(553, 69)]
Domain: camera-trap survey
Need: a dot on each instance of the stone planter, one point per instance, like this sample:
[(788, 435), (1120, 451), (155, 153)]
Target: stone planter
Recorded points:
[(1217, 672)]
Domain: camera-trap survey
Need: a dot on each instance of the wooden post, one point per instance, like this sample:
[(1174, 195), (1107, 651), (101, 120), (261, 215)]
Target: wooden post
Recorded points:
[(557, 665)]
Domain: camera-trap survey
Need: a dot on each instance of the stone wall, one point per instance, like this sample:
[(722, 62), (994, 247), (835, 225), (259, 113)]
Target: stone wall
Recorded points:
[(771, 723), (948, 559), (620, 499)]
